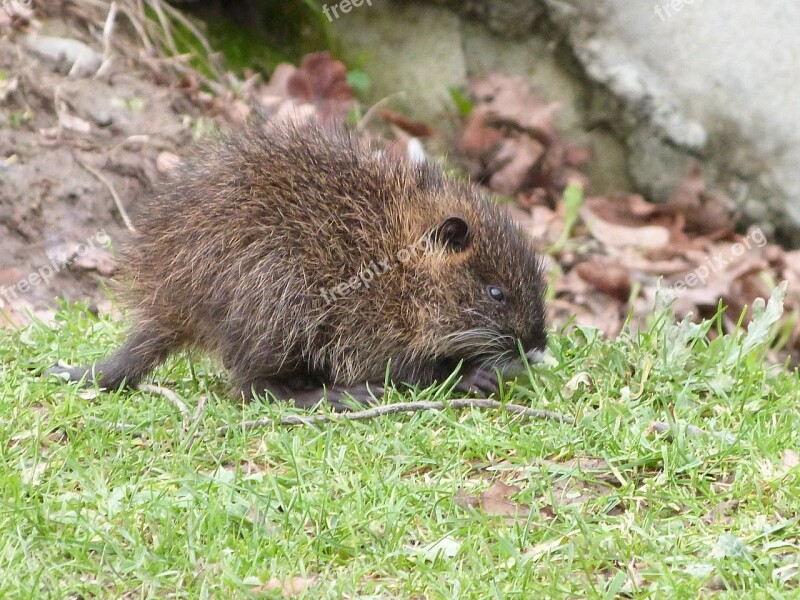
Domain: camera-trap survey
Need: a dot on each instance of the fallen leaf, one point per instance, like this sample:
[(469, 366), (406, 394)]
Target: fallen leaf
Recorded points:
[(514, 163), (541, 223), (579, 379), (511, 101), (464, 500), (413, 128), (616, 236), (446, 548), (704, 211), (609, 278), (512, 143), (478, 138), (322, 82), (495, 501)]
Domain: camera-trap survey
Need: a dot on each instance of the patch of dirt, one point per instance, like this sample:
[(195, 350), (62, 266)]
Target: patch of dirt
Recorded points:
[(95, 108), (65, 143)]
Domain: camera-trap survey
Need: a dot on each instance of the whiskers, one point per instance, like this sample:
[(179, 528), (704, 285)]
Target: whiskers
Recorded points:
[(489, 349), (507, 363), (486, 347)]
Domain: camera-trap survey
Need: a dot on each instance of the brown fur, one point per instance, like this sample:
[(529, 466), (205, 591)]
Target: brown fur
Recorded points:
[(232, 257)]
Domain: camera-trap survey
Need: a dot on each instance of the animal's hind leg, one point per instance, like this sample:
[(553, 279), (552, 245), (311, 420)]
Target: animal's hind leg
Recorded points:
[(145, 348)]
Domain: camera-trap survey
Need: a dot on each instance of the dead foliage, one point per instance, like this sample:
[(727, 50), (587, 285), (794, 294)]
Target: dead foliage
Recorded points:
[(623, 246)]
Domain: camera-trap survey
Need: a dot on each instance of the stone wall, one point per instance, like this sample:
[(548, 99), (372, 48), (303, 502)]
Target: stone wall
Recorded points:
[(652, 86)]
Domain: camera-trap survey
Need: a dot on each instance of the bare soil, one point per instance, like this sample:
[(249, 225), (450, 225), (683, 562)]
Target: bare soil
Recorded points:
[(65, 143)]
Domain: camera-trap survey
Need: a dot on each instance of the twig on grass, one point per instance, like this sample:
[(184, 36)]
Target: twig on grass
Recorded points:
[(169, 395), (198, 412), (401, 407), (318, 419)]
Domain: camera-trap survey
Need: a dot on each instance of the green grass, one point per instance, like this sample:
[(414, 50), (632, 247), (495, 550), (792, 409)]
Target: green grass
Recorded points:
[(88, 510)]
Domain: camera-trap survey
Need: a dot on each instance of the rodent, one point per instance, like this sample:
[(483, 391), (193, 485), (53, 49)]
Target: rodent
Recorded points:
[(308, 262)]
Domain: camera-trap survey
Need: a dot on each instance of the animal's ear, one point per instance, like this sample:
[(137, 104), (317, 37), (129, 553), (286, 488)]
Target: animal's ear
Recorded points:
[(452, 233)]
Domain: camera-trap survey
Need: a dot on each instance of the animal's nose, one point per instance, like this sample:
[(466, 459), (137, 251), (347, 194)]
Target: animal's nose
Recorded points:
[(535, 356), (535, 342)]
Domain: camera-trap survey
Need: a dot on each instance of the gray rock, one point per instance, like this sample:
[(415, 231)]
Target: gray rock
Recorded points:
[(508, 18), (412, 52), (653, 87), (73, 55), (705, 81)]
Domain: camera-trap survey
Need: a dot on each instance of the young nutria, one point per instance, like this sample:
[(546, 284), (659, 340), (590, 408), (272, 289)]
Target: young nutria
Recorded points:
[(308, 262)]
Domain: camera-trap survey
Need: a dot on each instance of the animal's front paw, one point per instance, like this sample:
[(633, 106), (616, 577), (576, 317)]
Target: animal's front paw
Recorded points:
[(479, 381)]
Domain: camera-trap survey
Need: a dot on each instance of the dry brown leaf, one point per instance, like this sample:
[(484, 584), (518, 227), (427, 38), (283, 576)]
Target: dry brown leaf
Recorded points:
[(478, 138), (699, 289), (320, 77), (626, 209), (465, 500), (704, 211), (617, 236), (413, 128), (511, 134), (609, 278), (495, 501), (511, 101), (541, 223), (634, 261), (319, 86), (514, 163)]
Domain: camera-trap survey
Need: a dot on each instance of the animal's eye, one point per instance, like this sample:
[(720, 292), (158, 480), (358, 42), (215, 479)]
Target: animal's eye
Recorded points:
[(495, 293)]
